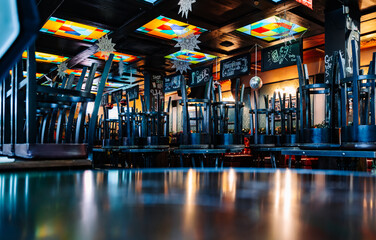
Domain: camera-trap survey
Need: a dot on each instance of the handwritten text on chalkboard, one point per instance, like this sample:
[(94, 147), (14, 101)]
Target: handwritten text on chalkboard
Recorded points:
[(132, 92), (235, 67), (200, 76), (280, 56), (172, 83)]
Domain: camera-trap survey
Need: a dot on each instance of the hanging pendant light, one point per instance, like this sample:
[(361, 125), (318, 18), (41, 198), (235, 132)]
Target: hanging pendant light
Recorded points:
[(256, 81)]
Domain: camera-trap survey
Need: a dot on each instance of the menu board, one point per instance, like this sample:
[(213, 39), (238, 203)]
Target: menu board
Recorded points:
[(172, 83), (132, 93), (200, 76), (281, 55), (156, 89), (118, 94), (236, 66)]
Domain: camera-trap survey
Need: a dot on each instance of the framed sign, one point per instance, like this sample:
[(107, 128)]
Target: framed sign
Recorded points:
[(236, 66), (200, 76), (118, 94), (172, 83), (132, 93), (281, 55)]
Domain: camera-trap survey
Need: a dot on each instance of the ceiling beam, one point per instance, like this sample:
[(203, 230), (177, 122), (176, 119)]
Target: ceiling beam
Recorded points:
[(47, 8)]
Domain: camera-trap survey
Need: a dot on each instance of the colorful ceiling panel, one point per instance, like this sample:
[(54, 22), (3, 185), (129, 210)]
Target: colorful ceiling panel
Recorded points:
[(47, 58), (127, 58), (150, 1), (272, 28), (190, 56), (69, 29), (78, 72), (167, 28), (24, 73)]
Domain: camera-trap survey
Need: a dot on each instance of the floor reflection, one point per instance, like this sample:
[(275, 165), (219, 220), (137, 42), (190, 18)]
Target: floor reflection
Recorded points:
[(187, 204)]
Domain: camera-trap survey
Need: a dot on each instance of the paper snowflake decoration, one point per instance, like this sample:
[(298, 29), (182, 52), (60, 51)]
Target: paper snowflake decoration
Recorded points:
[(105, 46), (289, 36), (181, 66), (61, 69), (185, 7), (189, 42), (121, 67)]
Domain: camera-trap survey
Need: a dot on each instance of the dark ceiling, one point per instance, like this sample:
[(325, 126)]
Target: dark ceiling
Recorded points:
[(123, 17)]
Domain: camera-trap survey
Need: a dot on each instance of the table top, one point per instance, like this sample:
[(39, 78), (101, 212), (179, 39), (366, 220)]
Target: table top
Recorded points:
[(188, 204), (329, 153)]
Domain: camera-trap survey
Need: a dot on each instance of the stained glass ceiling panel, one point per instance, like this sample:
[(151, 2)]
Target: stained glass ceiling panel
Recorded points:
[(190, 56), (150, 1), (47, 58), (69, 29), (272, 28), (167, 28), (127, 58)]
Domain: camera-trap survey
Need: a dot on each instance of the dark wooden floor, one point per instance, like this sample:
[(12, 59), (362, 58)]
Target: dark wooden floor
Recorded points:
[(188, 204)]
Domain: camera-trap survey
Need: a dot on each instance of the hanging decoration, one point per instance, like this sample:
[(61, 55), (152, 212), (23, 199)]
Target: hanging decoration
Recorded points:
[(189, 42), (289, 35), (255, 82), (181, 66), (61, 68), (121, 67), (105, 46), (185, 7)]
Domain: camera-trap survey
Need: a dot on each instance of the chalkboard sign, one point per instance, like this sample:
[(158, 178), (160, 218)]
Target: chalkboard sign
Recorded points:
[(200, 76), (172, 83), (281, 55), (132, 93), (118, 94), (156, 89), (236, 66)]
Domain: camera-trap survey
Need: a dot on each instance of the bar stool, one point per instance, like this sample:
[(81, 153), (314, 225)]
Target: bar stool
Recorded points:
[(201, 116), (358, 105), (257, 137), (325, 136), (223, 137)]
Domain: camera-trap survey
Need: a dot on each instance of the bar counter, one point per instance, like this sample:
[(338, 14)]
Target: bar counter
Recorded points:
[(188, 204)]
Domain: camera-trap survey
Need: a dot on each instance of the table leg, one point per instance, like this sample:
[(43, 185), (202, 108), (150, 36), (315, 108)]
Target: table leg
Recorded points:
[(193, 162), (181, 160), (290, 161), (272, 158), (216, 162)]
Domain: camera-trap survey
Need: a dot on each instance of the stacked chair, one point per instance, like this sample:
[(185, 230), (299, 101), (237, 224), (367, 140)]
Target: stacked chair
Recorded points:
[(327, 135), (222, 110), (357, 104), (39, 122)]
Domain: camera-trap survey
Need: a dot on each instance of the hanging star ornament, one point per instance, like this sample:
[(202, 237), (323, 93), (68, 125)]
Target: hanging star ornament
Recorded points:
[(105, 46), (189, 42), (181, 66), (121, 67), (185, 7), (61, 69)]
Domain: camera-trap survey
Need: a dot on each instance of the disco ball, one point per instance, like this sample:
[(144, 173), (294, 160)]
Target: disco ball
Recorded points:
[(255, 82)]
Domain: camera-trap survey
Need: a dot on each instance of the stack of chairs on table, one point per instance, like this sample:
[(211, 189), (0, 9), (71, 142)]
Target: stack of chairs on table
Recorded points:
[(40, 122), (133, 128)]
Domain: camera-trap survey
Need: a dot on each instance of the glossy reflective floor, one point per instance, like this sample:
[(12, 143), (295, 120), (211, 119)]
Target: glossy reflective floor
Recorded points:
[(187, 204)]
